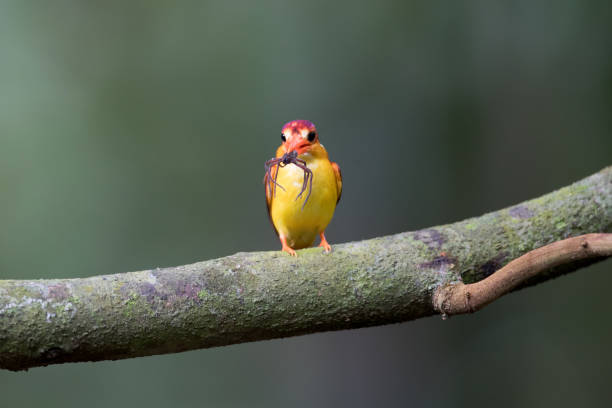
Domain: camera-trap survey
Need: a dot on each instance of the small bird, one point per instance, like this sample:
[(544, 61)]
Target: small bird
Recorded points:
[(301, 162)]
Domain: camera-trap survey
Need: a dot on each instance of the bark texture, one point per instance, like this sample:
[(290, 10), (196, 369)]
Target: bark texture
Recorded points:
[(264, 295)]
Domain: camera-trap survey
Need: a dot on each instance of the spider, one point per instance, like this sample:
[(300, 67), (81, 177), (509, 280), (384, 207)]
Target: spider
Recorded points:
[(289, 158)]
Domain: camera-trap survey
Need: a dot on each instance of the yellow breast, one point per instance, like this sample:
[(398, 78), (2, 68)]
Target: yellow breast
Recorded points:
[(300, 225)]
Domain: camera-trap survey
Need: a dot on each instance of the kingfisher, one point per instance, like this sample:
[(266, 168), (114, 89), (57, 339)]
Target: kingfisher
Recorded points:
[(301, 163)]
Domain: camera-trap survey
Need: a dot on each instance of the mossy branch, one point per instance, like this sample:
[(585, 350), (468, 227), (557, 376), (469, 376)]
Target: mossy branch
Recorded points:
[(264, 295)]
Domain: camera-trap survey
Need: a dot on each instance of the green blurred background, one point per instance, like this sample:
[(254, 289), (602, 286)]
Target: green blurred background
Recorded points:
[(133, 135)]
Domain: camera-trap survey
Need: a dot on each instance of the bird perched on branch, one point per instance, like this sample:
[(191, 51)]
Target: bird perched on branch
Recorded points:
[(302, 188)]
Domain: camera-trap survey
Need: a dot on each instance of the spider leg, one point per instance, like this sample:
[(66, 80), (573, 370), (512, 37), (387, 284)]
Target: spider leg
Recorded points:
[(309, 188), (278, 165), (305, 180), (267, 177), (272, 180), (307, 183), (304, 183)]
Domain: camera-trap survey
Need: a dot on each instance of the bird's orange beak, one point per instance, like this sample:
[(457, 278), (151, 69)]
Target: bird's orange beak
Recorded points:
[(297, 144)]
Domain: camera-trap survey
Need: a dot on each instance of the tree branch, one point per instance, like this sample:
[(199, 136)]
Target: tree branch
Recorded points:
[(264, 295), (458, 298)]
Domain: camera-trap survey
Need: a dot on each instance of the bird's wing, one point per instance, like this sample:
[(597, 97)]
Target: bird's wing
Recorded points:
[(338, 174)]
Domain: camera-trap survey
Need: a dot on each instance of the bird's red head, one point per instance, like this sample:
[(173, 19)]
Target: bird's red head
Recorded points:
[(299, 136)]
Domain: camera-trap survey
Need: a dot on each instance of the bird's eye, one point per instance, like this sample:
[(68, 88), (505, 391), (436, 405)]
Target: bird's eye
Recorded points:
[(311, 136), (283, 138)]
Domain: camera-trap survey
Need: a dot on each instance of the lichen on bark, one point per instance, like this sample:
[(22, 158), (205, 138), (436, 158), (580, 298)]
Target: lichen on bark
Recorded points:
[(263, 295)]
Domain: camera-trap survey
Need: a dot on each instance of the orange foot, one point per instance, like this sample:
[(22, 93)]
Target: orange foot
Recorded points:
[(286, 248), (324, 243)]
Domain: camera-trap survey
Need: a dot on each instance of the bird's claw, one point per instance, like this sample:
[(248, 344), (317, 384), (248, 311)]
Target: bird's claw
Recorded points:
[(326, 247), (289, 250), (324, 243)]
